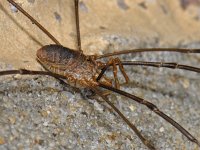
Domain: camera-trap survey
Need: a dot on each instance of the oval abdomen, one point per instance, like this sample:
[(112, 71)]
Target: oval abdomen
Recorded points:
[(67, 62), (57, 54)]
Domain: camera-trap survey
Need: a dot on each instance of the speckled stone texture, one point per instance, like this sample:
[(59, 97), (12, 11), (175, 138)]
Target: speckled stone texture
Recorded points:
[(37, 112)]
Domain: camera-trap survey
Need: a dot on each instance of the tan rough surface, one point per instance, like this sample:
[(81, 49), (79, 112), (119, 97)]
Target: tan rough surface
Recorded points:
[(136, 19), (37, 112)]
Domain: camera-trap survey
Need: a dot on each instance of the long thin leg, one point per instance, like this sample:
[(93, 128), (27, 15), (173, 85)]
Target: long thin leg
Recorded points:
[(30, 72), (171, 65), (155, 109), (114, 62), (179, 50), (34, 21), (132, 126), (76, 4)]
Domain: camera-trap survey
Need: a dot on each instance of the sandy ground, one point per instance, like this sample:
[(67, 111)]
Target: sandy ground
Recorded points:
[(39, 113)]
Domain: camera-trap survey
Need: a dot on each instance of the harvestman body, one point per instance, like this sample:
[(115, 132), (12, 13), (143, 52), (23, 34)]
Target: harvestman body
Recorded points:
[(86, 72)]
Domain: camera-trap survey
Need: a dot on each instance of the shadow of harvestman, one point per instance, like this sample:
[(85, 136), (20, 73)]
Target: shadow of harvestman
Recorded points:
[(75, 68)]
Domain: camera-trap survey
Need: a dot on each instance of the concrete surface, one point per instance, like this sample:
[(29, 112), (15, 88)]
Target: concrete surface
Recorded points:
[(39, 113)]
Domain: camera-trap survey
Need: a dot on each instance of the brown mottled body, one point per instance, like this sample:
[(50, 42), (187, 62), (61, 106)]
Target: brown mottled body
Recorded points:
[(78, 68)]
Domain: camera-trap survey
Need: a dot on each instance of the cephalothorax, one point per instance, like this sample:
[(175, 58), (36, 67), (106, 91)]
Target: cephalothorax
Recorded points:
[(85, 71)]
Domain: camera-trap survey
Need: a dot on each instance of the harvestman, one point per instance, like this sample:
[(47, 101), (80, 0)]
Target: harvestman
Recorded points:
[(85, 71)]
